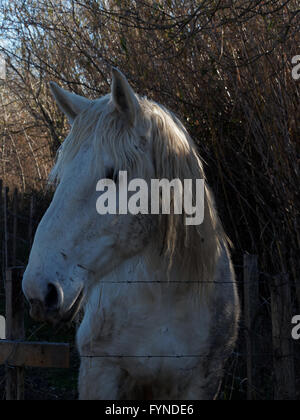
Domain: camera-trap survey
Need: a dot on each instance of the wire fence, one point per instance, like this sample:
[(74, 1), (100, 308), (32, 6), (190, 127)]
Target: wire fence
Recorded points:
[(265, 352)]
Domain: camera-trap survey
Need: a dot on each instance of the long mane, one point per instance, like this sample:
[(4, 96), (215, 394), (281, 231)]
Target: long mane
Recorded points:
[(195, 249)]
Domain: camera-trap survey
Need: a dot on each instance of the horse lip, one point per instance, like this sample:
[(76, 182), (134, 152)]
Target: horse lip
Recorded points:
[(74, 309)]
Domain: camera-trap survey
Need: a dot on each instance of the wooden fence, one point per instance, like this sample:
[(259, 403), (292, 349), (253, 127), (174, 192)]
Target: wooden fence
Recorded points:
[(281, 326), (16, 353)]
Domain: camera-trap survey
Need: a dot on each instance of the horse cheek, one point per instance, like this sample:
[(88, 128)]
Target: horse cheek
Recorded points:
[(134, 238)]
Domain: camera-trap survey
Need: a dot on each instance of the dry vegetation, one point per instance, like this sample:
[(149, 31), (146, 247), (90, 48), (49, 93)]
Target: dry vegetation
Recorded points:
[(223, 66)]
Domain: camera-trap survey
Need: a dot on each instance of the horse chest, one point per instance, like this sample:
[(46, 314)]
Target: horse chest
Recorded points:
[(150, 328)]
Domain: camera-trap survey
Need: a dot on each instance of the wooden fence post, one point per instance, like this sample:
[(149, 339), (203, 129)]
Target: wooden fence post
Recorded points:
[(15, 228), (283, 346), (14, 331), (251, 297), (31, 220), (1, 235), (1, 186), (5, 214)]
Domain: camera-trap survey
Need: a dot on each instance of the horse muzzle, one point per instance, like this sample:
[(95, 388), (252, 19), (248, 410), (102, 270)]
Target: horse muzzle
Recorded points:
[(51, 309)]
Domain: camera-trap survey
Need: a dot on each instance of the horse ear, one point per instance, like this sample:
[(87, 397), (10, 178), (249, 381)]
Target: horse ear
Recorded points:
[(123, 97), (69, 103)]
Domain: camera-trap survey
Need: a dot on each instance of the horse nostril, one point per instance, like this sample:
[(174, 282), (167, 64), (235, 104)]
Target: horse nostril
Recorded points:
[(53, 299)]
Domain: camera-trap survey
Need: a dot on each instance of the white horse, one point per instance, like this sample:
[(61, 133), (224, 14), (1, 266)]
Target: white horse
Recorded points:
[(160, 304)]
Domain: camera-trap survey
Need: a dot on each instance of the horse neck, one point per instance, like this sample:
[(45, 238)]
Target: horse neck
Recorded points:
[(147, 268)]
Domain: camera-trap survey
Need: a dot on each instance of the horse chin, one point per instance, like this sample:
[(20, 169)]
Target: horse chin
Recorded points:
[(54, 318), (70, 315)]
